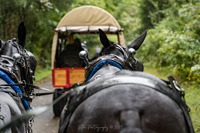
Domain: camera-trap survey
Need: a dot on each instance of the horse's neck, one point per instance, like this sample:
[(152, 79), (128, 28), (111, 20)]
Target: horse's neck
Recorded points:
[(105, 70)]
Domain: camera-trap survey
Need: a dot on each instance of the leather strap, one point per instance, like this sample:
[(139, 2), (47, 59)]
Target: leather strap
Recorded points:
[(26, 84), (18, 95)]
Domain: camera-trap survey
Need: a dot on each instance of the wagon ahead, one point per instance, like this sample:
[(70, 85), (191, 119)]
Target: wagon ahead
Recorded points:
[(67, 67)]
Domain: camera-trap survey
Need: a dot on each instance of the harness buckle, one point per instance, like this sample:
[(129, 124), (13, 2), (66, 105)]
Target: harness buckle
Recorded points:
[(2, 116), (24, 83), (67, 103), (19, 95), (33, 95), (30, 123), (178, 88)]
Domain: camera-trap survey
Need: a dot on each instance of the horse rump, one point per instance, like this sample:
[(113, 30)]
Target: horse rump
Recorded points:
[(126, 102)]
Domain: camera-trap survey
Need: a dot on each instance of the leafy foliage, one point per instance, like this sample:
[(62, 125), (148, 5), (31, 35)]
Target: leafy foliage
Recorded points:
[(177, 46), (40, 18), (151, 12), (172, 40)]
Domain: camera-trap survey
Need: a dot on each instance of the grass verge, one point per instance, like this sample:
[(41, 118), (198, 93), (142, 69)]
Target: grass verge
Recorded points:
[(41, 74), (192, 96)]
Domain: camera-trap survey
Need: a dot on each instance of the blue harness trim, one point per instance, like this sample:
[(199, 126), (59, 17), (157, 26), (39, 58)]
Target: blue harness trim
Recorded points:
[(6, 78), (100, 64)]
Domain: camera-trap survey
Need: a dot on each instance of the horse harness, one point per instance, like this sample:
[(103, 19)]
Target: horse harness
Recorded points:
[(112, 58), (128, 61), (8, 65), (8, 69), (79, 93)]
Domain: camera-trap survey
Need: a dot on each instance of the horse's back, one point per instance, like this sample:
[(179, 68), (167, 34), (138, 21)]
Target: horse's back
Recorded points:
[(128, 108)]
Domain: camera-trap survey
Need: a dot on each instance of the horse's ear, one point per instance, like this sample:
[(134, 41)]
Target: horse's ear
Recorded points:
[(1, 43), (138, 41), (22, 34), (104, 39)]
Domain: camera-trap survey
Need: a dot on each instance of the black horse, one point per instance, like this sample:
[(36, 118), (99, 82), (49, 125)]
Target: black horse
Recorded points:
[(115, 99), (17, 65)]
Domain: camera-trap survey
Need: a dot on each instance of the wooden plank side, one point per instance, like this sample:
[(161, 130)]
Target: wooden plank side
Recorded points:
[(76, 75), (60, 77)]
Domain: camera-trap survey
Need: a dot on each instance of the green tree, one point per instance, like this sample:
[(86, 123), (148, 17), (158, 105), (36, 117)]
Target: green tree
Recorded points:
[(40, 18), (175, 45), (151, 12)]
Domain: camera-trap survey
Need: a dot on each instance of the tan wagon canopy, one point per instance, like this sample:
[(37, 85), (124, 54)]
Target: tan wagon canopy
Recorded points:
[(87, 19)]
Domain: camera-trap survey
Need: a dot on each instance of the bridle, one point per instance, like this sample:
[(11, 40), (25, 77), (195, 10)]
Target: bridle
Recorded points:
[(126, 62), (9, 66), (22, 73)]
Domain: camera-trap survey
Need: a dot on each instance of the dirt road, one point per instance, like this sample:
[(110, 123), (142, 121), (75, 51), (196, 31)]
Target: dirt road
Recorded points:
[(45, 122)]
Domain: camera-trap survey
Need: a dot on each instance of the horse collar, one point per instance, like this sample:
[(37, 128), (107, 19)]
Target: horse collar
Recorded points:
[(6, 78), (100, 64), (112, 59)]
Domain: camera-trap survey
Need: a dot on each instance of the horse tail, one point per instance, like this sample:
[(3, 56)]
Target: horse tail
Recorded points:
[(130, 122)]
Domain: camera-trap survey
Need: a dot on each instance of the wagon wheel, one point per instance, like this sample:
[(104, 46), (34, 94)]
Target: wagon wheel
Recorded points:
[(57, 108)]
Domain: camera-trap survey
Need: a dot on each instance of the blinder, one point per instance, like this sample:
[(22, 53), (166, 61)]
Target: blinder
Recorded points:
[(23, 72)]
